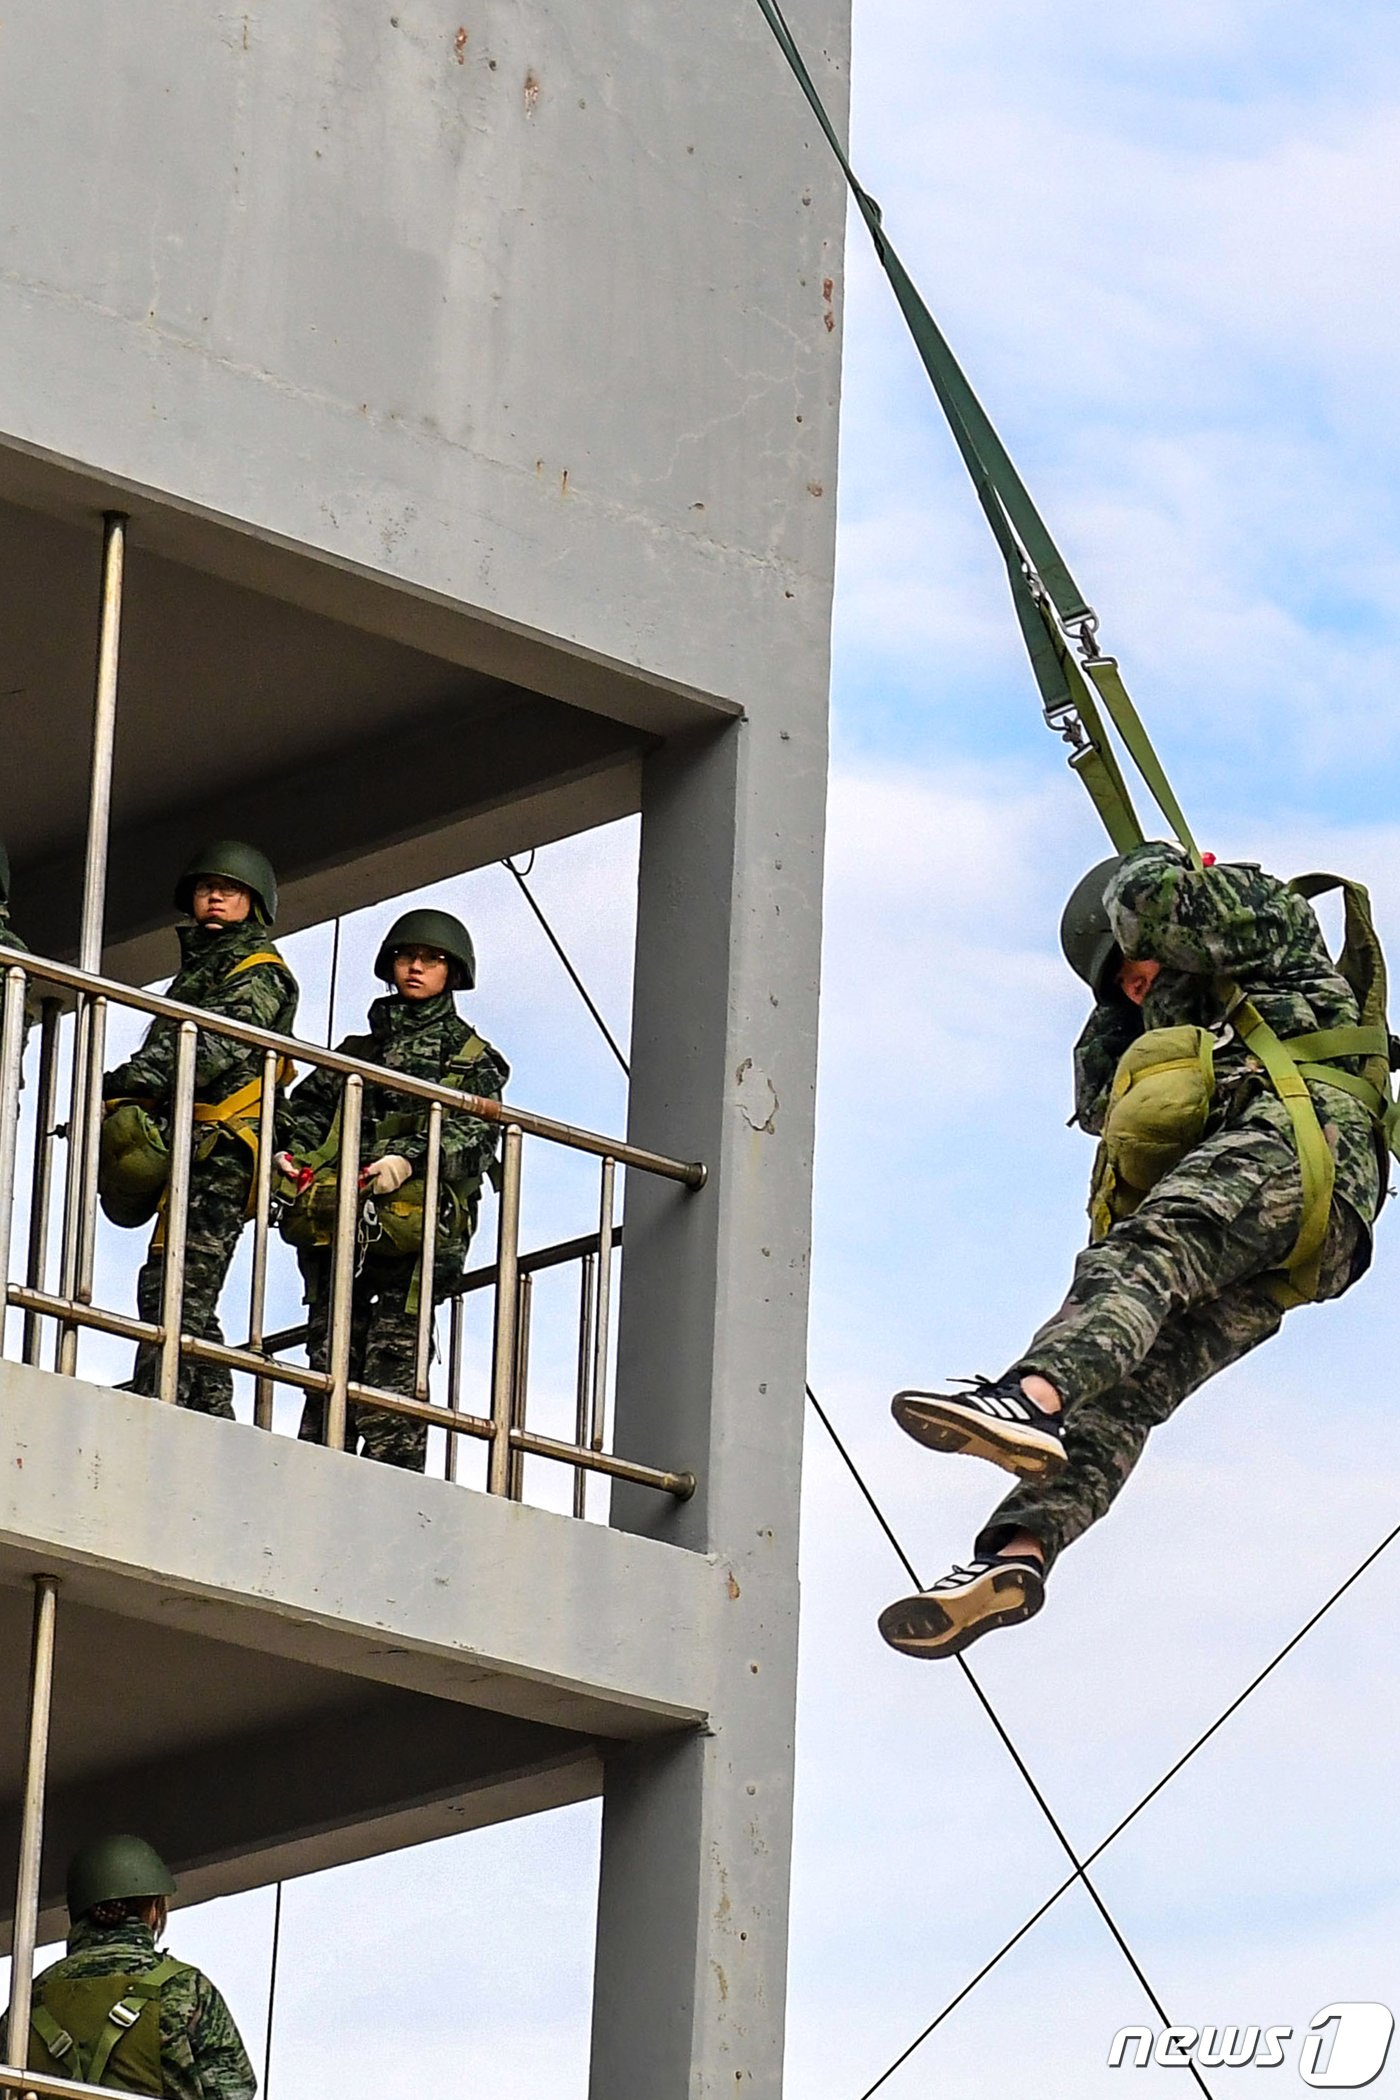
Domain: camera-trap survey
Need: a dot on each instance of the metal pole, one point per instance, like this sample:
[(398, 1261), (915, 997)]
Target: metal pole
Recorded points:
[(104, 738), (41, 1187), (11, 1059), (583, 1402), (262, 1205), (522, 1381), (507, 1309), (177, 1202), (428, 1259), (87, 1152), (31, 1833), (603, 1337), (347, 1217), (66, 1356), (454, 1378)]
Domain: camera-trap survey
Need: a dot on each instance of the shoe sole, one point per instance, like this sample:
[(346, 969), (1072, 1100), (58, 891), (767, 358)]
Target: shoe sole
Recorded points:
[(939, 1424), (929, 1627)]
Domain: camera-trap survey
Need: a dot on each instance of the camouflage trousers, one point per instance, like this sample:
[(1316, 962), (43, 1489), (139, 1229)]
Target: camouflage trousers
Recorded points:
[(1172, 1295), (218, 1211), (383, 1352)]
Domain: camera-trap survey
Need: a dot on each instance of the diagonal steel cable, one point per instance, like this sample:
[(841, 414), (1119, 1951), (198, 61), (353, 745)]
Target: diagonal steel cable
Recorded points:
[(1153, 1791), (1022, 1767), (1080, 1866)]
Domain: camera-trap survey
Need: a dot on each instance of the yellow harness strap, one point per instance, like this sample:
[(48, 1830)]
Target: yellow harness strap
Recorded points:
[(1297, 1285)]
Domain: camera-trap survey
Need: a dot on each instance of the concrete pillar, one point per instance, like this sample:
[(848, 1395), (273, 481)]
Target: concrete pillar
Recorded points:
[(692, 1943)]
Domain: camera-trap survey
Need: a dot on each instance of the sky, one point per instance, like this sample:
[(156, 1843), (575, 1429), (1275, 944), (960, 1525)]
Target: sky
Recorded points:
[(1164, 241)]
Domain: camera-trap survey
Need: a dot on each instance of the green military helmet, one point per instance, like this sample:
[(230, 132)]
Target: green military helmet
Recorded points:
[(236, 861), (113, 1870), (1085, 934), (427, 928)]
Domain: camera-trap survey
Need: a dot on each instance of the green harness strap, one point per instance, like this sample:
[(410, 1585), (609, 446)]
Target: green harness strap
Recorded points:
[(1051, 610), (1048, 601), (122, 2016)]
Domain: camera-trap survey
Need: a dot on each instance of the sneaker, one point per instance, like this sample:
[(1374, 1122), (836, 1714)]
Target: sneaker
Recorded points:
[(967, 1603), (994, 1419)]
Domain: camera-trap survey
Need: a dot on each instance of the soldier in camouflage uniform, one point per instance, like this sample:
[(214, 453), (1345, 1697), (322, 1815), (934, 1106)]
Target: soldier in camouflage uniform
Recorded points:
[(228, 966), (426, 956), (1190, 1280), (117, 1890)]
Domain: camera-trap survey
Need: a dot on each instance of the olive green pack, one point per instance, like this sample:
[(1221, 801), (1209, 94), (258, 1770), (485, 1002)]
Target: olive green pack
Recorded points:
[(101, 2030)]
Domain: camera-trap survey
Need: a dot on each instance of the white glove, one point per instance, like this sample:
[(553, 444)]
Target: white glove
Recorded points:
[(383, 1176)]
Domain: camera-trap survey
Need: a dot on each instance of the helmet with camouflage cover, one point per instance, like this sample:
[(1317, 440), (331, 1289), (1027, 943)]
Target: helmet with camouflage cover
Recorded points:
[(114, 1869), (236, 861), (1085, 934), (426, 928)]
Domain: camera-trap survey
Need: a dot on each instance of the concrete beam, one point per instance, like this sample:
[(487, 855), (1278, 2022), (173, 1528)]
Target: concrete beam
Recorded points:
[(325, 1560)]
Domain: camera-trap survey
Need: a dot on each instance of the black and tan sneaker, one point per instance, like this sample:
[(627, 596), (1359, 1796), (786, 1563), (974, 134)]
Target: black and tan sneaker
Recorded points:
[(993, 1419), (964, 1605)]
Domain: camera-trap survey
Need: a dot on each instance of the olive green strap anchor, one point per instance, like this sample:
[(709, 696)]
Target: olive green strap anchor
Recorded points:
[(1050, 607)]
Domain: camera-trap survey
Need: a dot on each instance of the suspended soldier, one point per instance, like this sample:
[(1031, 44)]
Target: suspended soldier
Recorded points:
[(1239, 1081), (426, 957), (117, 2013), (228, 966)]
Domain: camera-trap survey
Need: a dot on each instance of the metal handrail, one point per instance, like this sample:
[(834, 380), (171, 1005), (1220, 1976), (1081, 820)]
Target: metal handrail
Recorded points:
[(691, 1173), (41, 2086)]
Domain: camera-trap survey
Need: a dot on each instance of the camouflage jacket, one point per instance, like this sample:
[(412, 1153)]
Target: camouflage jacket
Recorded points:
[(420, 1037), (201, 2051), (1239, 923), (265, 997)]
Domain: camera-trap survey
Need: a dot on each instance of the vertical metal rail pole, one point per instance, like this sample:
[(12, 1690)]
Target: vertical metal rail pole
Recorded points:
[(603, 1336), (454, 1379), (427, 1261), (31, 1838), (41, 1184), (11, 1057), (583, 1387), (177, 1202), (507, 1310), (522, 1379), (262, 1205), (347, 1217), (66, 1355), (104, 738), (104, 743), (87, 1160)]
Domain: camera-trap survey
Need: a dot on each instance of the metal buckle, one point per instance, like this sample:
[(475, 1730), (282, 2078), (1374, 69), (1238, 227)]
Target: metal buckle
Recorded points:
[(124, 2013)]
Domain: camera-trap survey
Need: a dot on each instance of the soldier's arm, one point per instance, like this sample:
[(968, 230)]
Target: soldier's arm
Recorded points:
[(309, 1110), (468, 1142), (1110, 1028), (264, 997), (220, 2060), (1212, 922), (152, 1068)]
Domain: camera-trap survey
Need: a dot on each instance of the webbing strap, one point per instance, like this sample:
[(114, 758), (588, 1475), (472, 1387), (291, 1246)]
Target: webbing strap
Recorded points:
[(57, 2040), (1315, 1161), (1347, 1083), (1039, 575), (1340, 1042)]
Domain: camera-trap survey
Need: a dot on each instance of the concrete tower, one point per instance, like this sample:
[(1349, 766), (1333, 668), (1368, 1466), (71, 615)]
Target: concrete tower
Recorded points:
[(460, 391)]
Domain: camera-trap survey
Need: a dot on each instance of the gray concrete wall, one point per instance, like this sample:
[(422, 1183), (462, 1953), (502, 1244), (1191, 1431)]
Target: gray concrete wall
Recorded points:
[(524, 308)]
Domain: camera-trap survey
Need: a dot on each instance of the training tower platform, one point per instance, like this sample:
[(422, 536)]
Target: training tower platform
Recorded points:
[(459, 394)]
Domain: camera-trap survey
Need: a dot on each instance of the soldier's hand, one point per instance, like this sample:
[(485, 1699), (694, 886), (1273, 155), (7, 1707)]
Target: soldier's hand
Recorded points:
[(288, 1168), (382, 1176)]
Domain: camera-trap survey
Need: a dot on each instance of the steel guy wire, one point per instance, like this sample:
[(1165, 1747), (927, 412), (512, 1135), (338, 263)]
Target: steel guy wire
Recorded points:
[(1080, 1866), (272, 1988), (988, 1708), (1133, 1813)]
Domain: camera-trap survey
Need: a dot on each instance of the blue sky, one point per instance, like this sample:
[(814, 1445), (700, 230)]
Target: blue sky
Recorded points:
[(1165, 242)]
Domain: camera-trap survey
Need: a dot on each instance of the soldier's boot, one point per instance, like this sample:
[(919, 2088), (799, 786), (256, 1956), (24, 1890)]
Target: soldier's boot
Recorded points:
[(993, 1419), (963, 1605)]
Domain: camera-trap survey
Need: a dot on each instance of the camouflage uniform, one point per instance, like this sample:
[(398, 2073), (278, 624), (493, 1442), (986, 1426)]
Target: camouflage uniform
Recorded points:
[(221, 1180), (10, 939), (201, 2052), (420, 1037), (1181, 1288)]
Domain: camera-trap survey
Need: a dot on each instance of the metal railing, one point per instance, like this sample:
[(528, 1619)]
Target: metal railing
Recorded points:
[(68, 1304)]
